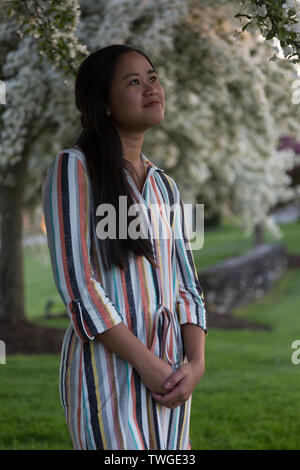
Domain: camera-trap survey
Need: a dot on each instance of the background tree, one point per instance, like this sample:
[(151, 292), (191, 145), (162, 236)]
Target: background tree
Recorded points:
[(32, 128), (39, 117), (226, 107), (274, 19)]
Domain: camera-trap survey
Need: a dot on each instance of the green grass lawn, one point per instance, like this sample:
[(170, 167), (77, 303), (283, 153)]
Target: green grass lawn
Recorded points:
[(247, 399)]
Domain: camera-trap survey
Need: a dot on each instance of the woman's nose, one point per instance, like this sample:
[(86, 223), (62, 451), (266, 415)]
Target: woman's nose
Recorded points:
[(150, 89)]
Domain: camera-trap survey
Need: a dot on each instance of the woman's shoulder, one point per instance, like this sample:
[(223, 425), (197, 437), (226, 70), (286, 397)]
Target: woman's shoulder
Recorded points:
[(75, 152), (70, 152)]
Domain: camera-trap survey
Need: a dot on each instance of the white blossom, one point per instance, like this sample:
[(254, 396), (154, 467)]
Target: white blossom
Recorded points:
[(226, 106)]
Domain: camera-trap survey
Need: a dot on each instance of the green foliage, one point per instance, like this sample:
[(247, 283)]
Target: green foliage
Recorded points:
[(53, 25), (274, 18)]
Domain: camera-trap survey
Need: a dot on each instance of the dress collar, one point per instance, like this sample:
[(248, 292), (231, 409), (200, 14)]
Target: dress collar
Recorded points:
[(148, 163)]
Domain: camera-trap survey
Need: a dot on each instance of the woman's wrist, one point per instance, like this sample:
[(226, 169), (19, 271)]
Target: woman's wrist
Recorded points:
[(121, 341), (198, 364), (194, 345), (143, 361)]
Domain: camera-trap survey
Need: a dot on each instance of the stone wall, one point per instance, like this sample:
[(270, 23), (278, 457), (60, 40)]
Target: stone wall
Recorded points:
[(243, 279)]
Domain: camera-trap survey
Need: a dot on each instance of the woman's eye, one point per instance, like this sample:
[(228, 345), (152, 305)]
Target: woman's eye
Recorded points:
[(136, 79)]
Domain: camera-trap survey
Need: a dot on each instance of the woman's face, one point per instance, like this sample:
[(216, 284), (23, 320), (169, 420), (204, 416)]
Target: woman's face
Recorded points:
[(134, 85)]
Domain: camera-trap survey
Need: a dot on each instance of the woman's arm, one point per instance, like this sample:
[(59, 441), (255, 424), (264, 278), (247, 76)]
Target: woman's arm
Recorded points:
[(191, 314), (184, 380), (190, 300), (152, 370), (194, 344), (66, 205)]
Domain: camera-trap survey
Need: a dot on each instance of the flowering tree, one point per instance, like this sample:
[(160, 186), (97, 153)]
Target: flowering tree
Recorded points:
[(53, 24), (275, 19), (32, 127), (39, 117), (226, 106), (226, 118)]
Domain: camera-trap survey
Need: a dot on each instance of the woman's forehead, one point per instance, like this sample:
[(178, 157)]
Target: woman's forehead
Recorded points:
[(131, 63)]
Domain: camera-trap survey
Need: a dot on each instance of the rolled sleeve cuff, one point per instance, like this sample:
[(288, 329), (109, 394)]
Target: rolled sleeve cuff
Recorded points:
[(88, 325), (192, 312)]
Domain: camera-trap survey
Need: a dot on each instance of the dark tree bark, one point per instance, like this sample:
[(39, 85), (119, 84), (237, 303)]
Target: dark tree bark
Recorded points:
[(258, 235), (12, 305)]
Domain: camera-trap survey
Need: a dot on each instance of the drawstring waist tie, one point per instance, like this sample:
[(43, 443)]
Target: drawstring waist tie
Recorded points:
[(166, 341)]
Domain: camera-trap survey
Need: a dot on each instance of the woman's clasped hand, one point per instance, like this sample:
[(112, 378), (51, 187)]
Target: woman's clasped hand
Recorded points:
[(180, 385)]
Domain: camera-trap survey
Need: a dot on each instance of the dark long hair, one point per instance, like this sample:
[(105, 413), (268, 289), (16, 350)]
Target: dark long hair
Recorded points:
[(102, 146)]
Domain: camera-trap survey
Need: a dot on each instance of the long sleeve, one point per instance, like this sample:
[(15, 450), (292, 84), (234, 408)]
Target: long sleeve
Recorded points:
[(190, 300), (66, 205)]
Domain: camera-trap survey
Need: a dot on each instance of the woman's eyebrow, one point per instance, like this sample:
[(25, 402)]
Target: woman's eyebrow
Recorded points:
[(130, 74)]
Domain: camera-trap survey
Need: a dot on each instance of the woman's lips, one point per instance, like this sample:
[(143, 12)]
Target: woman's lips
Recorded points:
[(153, 103)]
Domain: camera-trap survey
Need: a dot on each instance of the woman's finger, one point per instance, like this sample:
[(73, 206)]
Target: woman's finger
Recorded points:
[(169, 404), (173, 380), (171, 399)]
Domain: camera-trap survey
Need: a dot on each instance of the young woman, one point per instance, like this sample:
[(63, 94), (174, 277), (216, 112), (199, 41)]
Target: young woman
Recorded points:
[(134, 350)]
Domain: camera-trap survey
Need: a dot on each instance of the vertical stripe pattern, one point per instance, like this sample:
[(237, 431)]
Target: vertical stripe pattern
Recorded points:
[(105, 402)]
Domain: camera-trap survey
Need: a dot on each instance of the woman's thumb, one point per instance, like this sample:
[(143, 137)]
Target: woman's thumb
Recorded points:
[(172, 380)]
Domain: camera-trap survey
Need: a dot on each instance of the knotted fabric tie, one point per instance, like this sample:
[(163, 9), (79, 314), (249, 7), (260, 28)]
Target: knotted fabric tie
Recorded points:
[(166, 337)]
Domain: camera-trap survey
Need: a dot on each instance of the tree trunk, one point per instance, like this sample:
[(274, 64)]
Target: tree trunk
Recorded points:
[(258, 235), (12, 306)]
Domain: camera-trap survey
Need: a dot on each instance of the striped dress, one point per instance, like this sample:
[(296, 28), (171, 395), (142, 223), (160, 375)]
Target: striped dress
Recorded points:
[(105, 402)]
